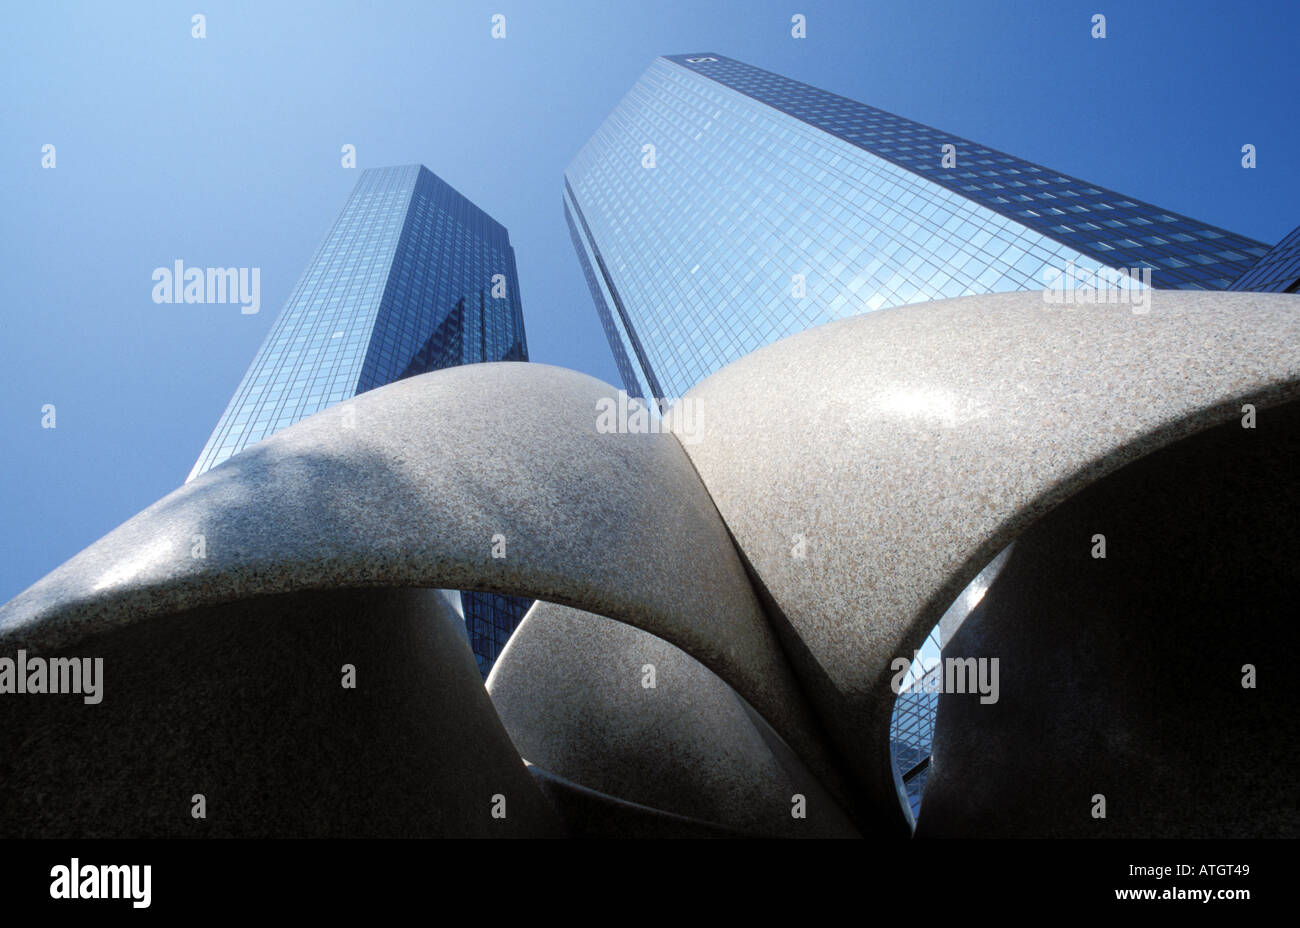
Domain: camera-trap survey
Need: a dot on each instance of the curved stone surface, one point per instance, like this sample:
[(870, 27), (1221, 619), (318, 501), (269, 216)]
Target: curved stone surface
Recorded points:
[(573, 692), (1122, 677), (589, 814), (244, 705), (907, 447), (408, 485)]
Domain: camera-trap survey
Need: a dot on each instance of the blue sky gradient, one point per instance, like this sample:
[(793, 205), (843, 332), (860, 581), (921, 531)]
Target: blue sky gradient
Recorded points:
[(225, 152)]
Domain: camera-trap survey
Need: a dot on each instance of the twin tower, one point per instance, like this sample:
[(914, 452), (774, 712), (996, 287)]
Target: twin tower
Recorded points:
[(719, 208)]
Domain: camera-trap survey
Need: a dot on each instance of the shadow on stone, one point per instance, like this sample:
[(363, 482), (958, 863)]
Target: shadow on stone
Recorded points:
[(1122, 677), (244, 704)]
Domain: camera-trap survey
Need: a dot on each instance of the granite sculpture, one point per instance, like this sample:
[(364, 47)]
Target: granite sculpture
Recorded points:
[(722, 599)]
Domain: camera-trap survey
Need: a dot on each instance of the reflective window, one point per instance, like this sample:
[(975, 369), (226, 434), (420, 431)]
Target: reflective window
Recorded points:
[(413, 277), (720, 207)]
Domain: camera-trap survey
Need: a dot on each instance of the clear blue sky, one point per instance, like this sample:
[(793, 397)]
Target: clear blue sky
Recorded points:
[(225, 152)]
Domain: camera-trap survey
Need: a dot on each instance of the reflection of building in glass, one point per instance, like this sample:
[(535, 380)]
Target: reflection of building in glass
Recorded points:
[(721, 207), (413, 277)]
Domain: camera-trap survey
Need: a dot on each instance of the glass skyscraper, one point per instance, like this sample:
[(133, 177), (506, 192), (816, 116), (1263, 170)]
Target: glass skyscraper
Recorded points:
[(721, 207), (413, 277)]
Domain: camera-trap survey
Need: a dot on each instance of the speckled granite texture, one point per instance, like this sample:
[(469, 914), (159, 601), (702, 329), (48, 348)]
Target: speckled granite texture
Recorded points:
[(858, 476), (244, 705), (909, 446), (406, 486), (599, 703)]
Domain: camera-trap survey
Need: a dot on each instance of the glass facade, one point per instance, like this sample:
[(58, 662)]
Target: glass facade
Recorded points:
[(1276, 272), (490, 619), (911, 729), (413, 277), (721, 207), (1116, 230)]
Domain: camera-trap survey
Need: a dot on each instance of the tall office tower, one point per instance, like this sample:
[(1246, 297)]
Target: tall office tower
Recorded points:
[(721, 207), (413, 277)]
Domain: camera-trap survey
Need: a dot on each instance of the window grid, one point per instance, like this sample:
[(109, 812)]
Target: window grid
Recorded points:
[(698, 253), (403, 284)]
